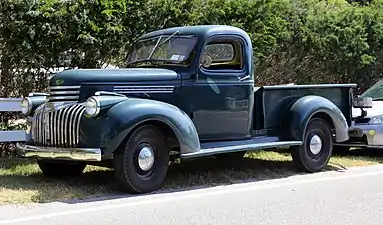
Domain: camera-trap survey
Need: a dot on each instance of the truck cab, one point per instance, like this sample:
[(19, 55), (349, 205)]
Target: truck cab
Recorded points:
[(188, 90), (215, 68)]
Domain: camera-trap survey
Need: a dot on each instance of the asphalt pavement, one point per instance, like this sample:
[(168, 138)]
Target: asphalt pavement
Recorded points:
[(350, 197)]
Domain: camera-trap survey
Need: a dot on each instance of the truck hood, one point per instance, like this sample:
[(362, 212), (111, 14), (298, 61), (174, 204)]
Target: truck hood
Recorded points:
[(377, 109), (102, 76)]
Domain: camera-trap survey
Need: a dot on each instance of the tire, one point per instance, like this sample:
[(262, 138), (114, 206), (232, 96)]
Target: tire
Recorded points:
[(60, 168), (129, 175), (314, 160), (231, 156)]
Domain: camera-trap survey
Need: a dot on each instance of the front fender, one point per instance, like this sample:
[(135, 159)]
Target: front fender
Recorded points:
[(306, 107), (123, 117)]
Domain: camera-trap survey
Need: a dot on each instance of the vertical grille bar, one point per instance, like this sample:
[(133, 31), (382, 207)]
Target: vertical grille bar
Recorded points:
[(40, 123), (50, 128), (72, 131), (78, 117), (59, 128), (63, 126), (41, 127), (55, 128), (43, 132), (76, 122), (35, 126), (66, 126), (70, 122)]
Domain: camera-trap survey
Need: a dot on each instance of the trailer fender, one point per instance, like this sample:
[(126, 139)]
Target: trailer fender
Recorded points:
[(125, 116), (308, 107)]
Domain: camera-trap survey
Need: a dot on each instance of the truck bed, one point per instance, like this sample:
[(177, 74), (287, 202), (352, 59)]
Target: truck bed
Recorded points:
[(272, 102)]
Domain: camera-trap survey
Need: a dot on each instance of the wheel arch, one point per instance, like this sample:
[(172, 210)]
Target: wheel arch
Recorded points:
[(327, 118), (125, 117), (164, 127), (308, 107)]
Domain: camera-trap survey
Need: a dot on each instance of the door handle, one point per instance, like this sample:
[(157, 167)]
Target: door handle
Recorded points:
[(243, 78)]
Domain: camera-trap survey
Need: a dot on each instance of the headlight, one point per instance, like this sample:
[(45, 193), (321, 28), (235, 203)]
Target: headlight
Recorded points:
[(376, 120), (92, 107), (26, 106)]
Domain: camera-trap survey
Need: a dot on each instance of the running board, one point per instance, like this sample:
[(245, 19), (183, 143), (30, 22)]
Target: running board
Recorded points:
[(238, 148)]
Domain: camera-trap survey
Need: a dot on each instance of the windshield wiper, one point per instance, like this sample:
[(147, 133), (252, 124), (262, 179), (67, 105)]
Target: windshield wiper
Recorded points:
[(144, 60), (158, 44), (151, 61)]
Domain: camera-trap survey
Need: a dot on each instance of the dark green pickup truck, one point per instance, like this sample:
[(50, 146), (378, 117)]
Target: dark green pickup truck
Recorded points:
[(185, 90)]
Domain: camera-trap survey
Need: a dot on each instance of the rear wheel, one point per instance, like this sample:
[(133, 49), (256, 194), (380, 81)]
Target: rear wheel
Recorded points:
[(141, 165), (316, 150), (61, 168)]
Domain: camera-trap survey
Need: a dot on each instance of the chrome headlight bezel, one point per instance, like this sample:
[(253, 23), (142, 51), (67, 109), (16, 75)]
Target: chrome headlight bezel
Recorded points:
[(31, 102), (26, 106), (92, 106)]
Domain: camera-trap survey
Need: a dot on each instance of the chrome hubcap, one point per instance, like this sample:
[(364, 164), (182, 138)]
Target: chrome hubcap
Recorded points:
[(146, 158), (315, 144)]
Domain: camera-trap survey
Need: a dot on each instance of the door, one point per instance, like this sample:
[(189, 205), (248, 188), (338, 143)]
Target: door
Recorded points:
[(222, 94)]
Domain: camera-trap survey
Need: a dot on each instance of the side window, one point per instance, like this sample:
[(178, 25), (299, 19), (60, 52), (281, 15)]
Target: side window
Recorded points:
[(220, 52), (222, 55)]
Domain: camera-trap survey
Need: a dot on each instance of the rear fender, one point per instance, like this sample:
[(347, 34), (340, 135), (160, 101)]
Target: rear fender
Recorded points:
[(125, 116), (305, 108)]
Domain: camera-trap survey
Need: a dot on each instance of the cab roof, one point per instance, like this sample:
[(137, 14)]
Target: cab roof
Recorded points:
[(201, 31)]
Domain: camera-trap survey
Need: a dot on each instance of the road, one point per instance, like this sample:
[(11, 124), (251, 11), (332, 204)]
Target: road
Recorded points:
[(351, 197)]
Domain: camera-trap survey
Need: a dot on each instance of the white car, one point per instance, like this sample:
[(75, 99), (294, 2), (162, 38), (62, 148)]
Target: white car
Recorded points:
[(367, 130)]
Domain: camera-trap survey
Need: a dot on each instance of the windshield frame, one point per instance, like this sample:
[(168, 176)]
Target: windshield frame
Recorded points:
[(166, 61)]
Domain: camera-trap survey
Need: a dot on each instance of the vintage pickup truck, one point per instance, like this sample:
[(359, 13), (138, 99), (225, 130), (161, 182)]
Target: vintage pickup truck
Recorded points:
[(188, 90)]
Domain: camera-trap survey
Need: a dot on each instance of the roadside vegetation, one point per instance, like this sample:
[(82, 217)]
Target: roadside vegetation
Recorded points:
[(22, 182)]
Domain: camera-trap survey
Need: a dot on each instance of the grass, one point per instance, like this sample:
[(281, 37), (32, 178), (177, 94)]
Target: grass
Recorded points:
[(22, 182)]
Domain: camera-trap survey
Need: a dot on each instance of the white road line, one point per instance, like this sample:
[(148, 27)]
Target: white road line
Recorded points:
[(201, 193)]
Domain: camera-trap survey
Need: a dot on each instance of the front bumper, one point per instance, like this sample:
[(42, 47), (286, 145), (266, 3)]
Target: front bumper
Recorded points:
[(365, 135), (75, 154)]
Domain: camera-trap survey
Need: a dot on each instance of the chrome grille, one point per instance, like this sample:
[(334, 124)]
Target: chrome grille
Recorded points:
[(63, 93), (59, 128)]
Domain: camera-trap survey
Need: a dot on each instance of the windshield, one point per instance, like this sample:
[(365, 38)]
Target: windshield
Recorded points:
[(171, 49), (375, 92)]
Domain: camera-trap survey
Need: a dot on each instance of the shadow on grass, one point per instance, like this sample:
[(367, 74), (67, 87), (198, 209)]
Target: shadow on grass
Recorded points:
[(11, 163), (96, 185), (367, 152)]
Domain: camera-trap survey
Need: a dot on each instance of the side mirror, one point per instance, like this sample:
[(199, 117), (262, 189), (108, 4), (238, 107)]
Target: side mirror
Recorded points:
[(362, 102), (206, 61)]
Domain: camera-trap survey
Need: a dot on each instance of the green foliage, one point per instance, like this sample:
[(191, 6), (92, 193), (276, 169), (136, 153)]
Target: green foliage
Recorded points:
[(305, 41)]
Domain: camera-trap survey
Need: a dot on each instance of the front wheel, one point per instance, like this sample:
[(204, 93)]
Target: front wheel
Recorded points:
[(316, 150), (141, 165)]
